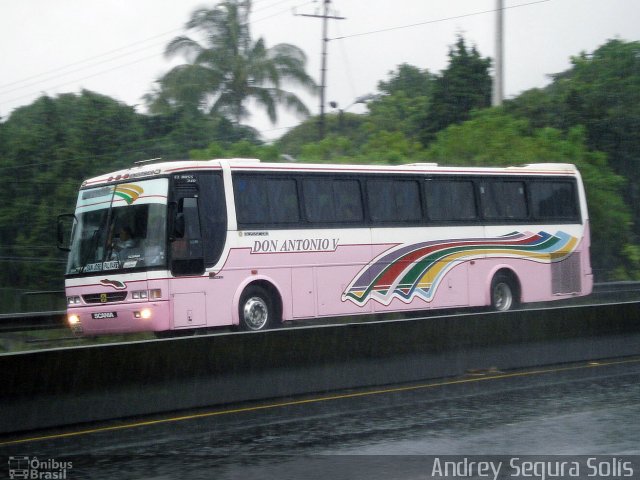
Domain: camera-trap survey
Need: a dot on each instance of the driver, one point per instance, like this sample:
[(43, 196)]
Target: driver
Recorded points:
[(124, 239)]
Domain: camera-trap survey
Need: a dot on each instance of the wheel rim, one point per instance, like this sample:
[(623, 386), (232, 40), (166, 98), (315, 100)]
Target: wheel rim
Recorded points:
[(255, 313), (502, 297)]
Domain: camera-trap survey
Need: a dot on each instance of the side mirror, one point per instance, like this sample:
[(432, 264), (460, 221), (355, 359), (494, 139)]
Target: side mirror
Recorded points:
[(66, 223)]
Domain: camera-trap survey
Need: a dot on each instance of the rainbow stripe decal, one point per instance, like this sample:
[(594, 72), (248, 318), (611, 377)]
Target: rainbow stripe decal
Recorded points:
[(129, 192), (409, 271)]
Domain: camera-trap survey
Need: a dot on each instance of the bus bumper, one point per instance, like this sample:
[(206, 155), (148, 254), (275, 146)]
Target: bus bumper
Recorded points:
[(122, 318)]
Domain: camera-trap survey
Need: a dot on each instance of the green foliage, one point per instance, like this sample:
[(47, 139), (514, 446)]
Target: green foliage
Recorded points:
[(492, 137), (342, 124), (332, 149), (411, 80), (49, 147), (463, 86), (242, 149), (403, 101), (380, 147), (413, 103), (589, 116), (229, 68), (601, 92), (631, 270), (398, 112)]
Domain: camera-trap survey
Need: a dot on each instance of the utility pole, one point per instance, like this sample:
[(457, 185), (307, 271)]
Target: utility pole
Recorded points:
[(323, 68), (498, 77)]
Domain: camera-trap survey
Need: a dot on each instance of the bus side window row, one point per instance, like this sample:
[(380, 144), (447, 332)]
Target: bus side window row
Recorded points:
[(283, 202)]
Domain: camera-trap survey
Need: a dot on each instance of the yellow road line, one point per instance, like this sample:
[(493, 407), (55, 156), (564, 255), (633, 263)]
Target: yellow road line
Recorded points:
[(327, 398)]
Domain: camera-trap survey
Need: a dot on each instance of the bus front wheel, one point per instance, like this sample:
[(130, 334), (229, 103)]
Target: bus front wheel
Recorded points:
[(256, 309), (503, 293)]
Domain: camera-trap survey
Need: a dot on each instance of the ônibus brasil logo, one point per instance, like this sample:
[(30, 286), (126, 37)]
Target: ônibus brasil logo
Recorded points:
[(129, 192), (117, 284), (32, 467)]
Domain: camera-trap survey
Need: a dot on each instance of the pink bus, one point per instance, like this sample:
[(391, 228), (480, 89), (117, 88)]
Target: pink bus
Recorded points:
[(199, 244)]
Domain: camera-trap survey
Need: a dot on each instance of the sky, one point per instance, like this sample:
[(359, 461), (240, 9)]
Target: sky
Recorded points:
[(115, 47)]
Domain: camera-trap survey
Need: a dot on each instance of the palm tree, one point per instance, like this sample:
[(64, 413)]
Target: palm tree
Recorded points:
[(228, 68)]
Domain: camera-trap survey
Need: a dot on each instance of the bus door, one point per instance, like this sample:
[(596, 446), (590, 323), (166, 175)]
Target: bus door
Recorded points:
[(198, 226), (186, 253)]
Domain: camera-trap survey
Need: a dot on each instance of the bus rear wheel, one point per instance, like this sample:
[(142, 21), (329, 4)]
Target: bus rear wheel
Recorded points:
[(503, 293), (256, 309)]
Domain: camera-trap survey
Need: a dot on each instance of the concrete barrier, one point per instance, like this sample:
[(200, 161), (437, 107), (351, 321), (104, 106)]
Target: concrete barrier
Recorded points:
[(82, 384)]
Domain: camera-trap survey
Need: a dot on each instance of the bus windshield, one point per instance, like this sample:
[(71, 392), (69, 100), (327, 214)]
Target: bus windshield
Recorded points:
[(120, 228)]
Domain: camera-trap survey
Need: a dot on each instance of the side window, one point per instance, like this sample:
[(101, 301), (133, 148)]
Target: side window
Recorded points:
[(282, 196), (394, 200), (503, 200), (328, 200), (450, 200), (266, 201), (187, 254), (553, 200), (251, 200), (189, 209), (213, 212)]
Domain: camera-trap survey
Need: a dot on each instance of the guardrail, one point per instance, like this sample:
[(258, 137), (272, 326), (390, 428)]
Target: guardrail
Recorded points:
[(23, 322), (19, 322), (59, 386)]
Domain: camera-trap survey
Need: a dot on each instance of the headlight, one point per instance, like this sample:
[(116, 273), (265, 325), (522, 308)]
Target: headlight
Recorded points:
[(154, 294), (73, 319), (73, 300), (144, 314), (139, 295)]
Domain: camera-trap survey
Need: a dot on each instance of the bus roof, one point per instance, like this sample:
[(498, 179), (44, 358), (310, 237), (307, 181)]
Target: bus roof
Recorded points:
[(148, 170)]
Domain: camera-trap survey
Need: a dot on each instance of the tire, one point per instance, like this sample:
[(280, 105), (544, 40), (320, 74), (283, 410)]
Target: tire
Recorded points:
[(256, 310), (503, 293)]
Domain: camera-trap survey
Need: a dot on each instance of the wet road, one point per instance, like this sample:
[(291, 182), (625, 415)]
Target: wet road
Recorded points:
[(578, 409)]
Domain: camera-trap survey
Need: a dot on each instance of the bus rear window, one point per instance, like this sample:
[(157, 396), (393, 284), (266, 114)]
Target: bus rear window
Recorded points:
[(553, 201)]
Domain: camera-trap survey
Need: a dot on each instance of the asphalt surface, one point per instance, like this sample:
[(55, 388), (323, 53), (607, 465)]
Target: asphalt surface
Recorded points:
[(586, 409)]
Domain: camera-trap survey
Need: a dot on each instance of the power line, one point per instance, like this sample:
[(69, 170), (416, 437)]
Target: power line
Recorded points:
[(116, 67), (109, 52), (347, 66), (94, 64), (102, 72), (281, 12), (73, 64), (427, 22), (323, 68), (271, 6)]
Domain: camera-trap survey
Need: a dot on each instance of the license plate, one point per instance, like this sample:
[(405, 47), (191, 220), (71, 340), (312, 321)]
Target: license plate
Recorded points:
[(101, 315)]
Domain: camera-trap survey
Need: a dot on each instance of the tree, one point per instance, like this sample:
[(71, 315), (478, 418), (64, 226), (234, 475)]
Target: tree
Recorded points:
[(492, 137), (344, 124), (52, 145), (229, 68), (403, 103), (601, 92), (463, 86), (408, 79)]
